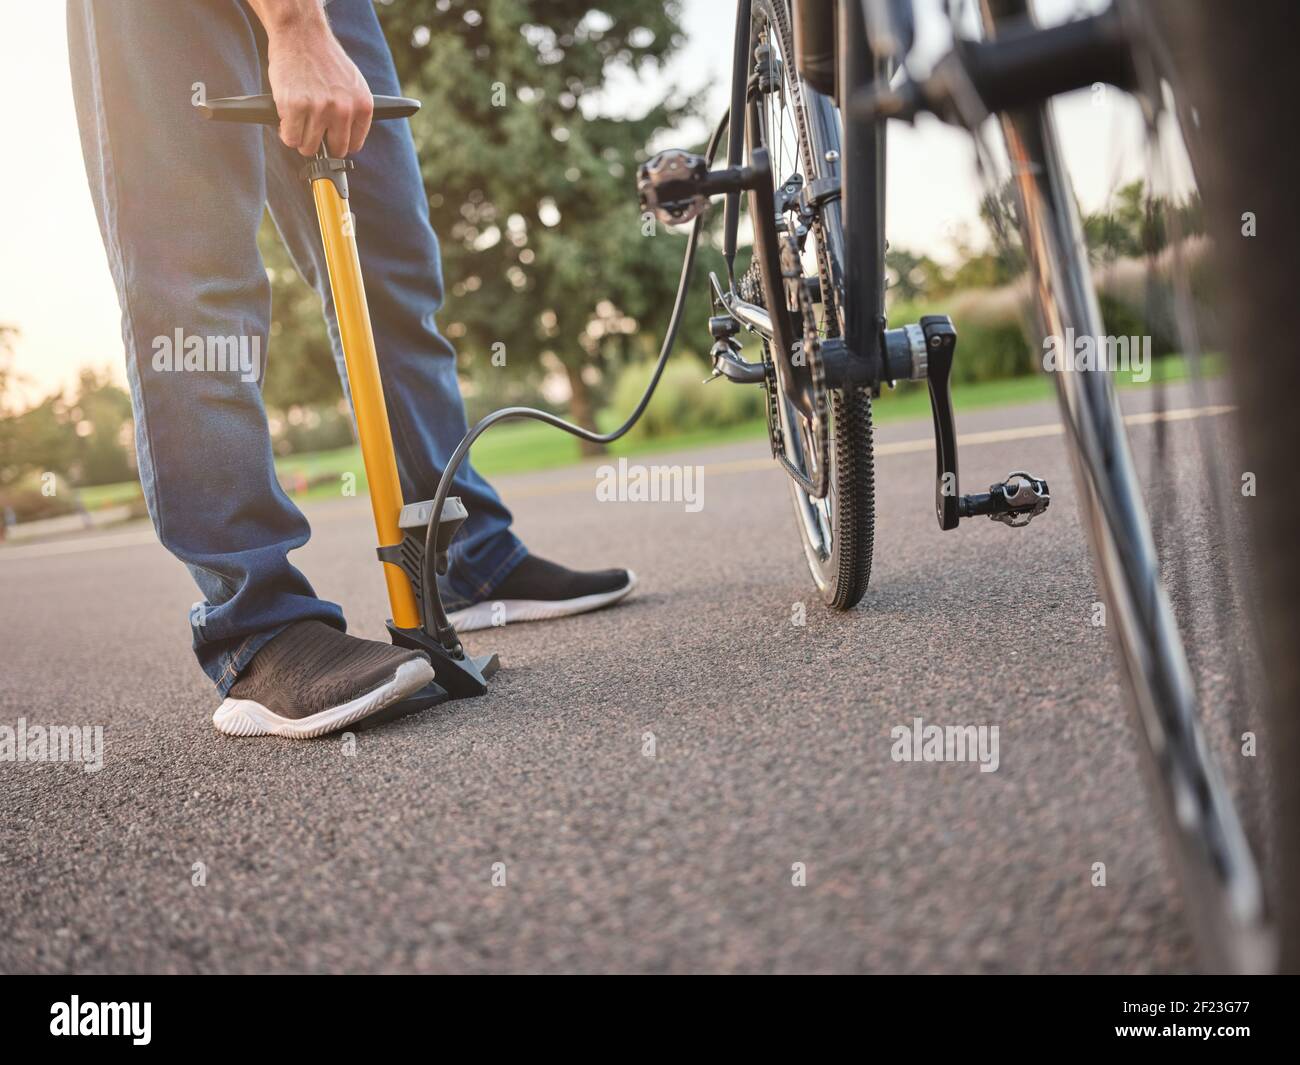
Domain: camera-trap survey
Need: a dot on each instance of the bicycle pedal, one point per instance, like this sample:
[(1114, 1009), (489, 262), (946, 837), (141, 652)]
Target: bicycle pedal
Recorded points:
[(671, 186), (1015, 502)]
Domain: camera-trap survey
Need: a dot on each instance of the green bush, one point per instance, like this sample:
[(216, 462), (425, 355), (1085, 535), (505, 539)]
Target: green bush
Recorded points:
[(322, 427), (990, 336), (991, 340), (1137, 302), (682, 402), (26, 499)]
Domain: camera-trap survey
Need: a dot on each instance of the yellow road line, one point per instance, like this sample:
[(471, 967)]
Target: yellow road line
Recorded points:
[(898, 447)]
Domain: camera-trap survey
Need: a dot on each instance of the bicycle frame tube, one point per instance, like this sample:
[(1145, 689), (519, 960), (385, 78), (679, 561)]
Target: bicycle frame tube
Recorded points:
[(862, 193), (826, 138), (336, 227), (1224, 893), (828, 144), (736, 134)]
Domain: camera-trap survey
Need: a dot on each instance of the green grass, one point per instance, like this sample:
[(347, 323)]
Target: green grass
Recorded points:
[(520, 447), (109, 495), (691, 438), (913, 400)]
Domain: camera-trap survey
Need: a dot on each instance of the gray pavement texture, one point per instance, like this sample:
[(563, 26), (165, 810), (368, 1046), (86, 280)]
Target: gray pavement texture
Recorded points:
[(771, 747)]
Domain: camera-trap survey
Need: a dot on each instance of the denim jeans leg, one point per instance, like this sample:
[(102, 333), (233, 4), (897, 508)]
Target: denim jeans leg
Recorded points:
[(403, 276), (179, 201)]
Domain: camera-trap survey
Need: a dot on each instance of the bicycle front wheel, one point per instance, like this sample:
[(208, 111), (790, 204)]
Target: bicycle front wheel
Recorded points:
[(1222, 884)]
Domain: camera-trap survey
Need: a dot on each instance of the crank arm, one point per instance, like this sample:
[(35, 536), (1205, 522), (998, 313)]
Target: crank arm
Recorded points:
[(926, 350), (940, 342)]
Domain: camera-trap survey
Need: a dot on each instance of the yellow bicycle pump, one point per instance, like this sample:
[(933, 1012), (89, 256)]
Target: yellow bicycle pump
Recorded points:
[(400, 528)]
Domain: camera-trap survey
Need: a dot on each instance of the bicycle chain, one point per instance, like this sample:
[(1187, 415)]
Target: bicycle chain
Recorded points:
[(750, 288)]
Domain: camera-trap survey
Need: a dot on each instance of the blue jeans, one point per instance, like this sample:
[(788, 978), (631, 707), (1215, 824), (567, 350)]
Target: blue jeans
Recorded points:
[(179, 201)]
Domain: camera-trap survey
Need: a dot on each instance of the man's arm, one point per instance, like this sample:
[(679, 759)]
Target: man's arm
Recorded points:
[(317, 89)]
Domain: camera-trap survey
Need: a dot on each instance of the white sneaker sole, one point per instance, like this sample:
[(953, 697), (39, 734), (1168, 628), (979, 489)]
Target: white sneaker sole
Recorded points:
[(245, 717), (493, 613)]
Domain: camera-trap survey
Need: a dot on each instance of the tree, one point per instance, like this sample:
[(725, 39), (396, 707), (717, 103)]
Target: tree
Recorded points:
[(531, 185), (912, 276), (99, 423), (7, 376), (300, 368), (8, 415), (86, 439), (547, 262), (1136, 223)]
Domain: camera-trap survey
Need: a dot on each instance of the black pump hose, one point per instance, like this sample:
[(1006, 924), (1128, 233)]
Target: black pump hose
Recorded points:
[(443, 630)]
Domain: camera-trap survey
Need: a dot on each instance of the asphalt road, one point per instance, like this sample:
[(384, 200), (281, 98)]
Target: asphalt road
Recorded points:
[(772, 747)]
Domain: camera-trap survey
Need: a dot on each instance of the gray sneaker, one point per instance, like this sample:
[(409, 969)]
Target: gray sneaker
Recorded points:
[(537, 590), (312, 679)]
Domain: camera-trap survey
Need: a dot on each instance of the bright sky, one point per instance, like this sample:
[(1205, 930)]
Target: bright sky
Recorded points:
[(54, 280)]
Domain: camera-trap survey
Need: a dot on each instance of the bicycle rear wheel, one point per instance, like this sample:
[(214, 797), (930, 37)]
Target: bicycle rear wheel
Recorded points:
[(799, 128)]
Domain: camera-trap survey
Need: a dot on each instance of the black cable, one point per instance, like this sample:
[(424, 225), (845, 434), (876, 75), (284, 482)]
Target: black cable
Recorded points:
[(443, 631)]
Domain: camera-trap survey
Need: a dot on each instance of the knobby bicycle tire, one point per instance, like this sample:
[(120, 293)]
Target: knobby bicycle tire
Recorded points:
[(843, 573)]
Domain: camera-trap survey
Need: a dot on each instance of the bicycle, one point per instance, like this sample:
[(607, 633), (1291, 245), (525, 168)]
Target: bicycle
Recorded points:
[(813, 86)]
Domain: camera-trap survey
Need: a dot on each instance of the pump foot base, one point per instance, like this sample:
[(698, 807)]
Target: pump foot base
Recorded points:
[(462, 677), (430, 695)]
